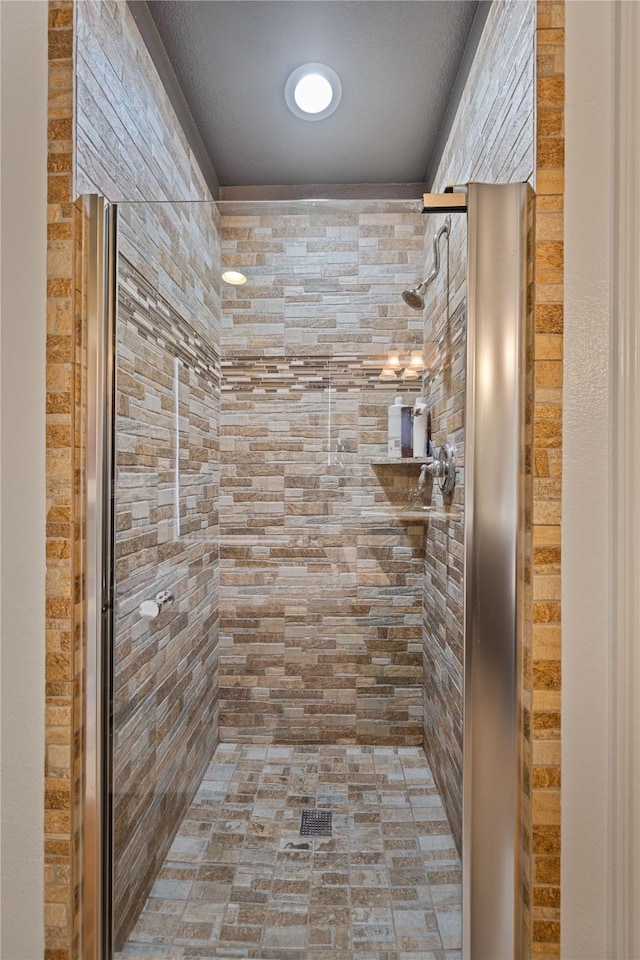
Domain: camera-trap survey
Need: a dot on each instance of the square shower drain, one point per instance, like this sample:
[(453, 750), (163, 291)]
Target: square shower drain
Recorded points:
[(316, 823)]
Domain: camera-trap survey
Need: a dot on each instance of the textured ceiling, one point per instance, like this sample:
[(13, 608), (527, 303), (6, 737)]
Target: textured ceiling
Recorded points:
[(397, 61)]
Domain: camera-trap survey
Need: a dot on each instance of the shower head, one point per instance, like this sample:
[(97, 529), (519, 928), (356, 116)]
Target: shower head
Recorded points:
[(413, 298)]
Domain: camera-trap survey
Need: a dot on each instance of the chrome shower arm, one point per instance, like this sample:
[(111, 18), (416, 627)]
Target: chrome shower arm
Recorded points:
[(444, 229)]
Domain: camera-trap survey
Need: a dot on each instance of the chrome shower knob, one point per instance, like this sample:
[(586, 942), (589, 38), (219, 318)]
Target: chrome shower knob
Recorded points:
[(444, 468)]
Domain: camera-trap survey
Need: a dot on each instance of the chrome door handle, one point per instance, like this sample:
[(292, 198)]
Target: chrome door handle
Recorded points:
[(150, 609)]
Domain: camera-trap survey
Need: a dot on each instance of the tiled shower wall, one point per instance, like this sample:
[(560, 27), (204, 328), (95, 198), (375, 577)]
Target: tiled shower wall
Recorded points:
[(96, 53), (506, 104), (541, 721), (167, 501), (65, 496), (130, 147), (146, 174), (165, 670), (491, 141), (320, 572)]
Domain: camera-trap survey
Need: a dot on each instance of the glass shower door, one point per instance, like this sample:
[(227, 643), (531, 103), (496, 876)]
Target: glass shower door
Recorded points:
[(282, 591), (165, 516), (268, 558)]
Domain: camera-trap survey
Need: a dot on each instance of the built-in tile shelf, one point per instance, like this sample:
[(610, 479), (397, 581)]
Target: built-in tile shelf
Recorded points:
[(413, 514), (394, 461)]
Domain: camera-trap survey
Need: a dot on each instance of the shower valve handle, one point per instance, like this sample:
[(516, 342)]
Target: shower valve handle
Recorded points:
[(444, 468), (436, 469), (150, 609)]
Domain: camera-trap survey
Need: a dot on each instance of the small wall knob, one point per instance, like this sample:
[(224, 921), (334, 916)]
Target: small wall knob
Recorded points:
[(150, 609)]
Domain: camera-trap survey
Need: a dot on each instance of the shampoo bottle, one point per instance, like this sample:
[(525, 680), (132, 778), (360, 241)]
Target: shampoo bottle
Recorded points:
[(394, 430), (420, 427), (406, 431)]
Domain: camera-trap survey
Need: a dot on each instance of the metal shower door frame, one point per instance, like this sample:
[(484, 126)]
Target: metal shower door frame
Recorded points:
[(494, 555), (497, 229), (101, 280)]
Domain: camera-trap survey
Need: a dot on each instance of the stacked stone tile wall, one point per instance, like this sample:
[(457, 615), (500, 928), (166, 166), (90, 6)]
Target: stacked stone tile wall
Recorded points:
[(542, 655), (119, 138), (167, 500), (491, 141), (321, 576), (165, 670), (111, 165), (129, 144), (63, 660)]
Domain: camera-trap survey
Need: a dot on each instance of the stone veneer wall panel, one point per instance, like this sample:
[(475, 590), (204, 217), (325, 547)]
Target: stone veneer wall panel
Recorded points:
[(166, 670), (491, 141), (320, 580), (541, 676), (115, 77), (542, 718), (63, 665), (129, 144), (541, 654)]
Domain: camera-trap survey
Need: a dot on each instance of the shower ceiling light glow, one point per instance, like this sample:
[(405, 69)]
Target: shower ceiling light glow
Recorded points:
[(313, 91), (234, 277)]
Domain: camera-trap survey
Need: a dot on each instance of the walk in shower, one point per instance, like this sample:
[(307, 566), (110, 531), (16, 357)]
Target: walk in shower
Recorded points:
[(276, 694)]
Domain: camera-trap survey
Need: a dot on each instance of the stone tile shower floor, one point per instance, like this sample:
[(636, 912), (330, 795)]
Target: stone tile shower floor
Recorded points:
[(240, 881)]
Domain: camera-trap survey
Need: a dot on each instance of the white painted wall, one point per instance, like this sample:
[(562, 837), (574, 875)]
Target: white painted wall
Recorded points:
[(624, 748), (23, 163), (586, 521)]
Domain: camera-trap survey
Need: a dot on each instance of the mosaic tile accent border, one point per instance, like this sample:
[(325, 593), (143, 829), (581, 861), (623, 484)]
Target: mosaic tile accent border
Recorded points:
[(159, 324), (303, 373)]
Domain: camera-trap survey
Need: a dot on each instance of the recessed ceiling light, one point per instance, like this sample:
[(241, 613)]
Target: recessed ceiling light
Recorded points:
[(313, 91), (234, 277)]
